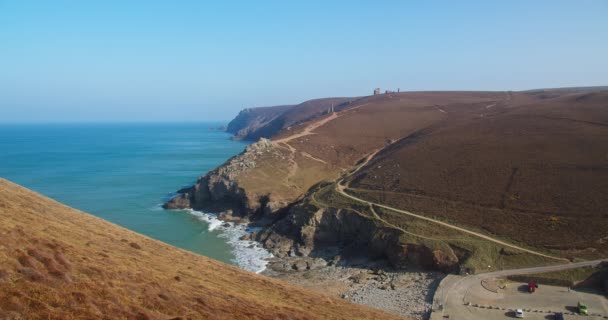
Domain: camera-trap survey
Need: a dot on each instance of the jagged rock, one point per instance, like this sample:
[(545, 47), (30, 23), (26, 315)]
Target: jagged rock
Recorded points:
[(220, 191), (300, 265), (181, 201), (302, 228), (317, 263), (248, 122), (306, 228)]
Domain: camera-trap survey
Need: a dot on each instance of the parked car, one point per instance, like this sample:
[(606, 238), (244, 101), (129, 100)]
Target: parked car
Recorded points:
[(582, 308), (519, 313), (558, 316)]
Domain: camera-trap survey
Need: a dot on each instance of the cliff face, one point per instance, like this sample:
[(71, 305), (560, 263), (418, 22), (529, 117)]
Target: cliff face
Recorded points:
[(248, 121), (417, 142), (308, 230), (219, 190), (264, 122), (267, 182)]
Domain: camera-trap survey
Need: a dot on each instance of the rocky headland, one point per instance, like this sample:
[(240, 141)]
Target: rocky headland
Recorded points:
[(287, 183)]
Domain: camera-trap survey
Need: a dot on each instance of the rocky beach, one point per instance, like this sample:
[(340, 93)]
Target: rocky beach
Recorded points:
[(407, 292)]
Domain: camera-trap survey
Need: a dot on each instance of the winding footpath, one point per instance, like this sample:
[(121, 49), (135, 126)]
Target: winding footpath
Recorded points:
[(308, 130), (450, 299), (340, 189), (451, 295)]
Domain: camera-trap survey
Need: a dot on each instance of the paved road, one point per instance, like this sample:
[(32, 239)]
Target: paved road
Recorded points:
[(455, 291)]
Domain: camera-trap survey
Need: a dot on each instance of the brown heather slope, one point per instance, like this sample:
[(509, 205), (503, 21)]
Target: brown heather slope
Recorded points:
[(524, 167), (270, 176), (60, 263), (536, 172), (264, 122), (245, 124)]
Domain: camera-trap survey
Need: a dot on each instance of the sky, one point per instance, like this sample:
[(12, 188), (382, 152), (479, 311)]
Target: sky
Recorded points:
[(116, 60)]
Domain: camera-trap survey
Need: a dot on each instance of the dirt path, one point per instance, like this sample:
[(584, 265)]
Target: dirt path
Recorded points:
[(308, 155), (308, 130), (341, 189), (293, 168), (363, 164), (376, 216)]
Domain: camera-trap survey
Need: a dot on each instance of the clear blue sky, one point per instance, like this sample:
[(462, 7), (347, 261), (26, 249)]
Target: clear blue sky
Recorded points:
[(205, 60)]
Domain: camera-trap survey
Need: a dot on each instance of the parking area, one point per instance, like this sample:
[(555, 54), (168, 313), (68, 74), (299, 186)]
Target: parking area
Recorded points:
[(472, 313), (541, 304), (470, 300)]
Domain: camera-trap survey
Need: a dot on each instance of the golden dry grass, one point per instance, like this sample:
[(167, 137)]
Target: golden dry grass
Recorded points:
[(60, 263)]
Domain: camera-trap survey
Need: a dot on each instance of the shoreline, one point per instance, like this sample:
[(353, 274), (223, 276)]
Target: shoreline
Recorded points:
[(407, 293), (249, 254)]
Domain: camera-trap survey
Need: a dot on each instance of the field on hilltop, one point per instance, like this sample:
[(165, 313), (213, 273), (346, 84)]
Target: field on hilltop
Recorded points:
[(59, 263)]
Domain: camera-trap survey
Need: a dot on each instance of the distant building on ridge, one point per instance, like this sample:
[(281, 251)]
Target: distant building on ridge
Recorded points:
[(376, 91)]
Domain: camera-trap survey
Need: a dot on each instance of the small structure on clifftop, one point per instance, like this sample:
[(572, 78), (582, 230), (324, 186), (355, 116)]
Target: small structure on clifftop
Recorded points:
[(376, 91)]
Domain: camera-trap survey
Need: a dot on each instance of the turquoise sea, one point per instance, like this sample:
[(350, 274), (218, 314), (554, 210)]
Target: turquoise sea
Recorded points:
[(124, 172)]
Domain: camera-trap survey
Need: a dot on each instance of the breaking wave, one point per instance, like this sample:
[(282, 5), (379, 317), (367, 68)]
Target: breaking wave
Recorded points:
[(249, 255)]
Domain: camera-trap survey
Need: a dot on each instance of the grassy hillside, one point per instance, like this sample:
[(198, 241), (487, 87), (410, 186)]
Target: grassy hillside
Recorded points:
[(534, 171), (249, 120), (264, 122), (527, 168), (60, 263)]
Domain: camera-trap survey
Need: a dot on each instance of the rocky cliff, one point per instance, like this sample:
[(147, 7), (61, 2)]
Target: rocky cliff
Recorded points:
[(264, 122), (269, 182), (417, 142), (248, 121), (219, 190), (307, 230)]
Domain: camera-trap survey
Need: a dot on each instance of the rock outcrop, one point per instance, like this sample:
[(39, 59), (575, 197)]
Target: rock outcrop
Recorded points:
[(264, 122), (248, 121), (417, 141), (220, 191), (307, 230)]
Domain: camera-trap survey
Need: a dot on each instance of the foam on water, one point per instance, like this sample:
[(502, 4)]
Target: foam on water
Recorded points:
[(249, 255)]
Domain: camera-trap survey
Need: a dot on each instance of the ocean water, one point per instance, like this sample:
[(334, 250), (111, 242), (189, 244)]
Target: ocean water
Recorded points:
[(124, 172)]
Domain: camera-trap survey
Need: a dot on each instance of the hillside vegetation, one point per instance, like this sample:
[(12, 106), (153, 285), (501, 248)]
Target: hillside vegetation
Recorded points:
[(536, 172), (264, 122), (60, 263), (527, 168)]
